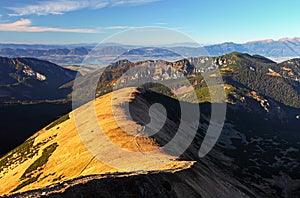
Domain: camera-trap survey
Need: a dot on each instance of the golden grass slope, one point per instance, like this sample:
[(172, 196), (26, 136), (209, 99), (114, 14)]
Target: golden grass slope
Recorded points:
[(58, 154)]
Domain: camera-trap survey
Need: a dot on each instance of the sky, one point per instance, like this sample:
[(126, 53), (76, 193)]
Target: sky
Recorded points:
[(92, 21)]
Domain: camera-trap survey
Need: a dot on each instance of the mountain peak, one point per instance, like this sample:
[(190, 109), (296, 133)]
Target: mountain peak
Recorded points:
[(262, 41), (295, 39)]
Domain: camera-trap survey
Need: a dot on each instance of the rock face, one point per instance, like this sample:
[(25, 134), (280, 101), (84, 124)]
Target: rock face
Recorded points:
[(242, 71), (32, 79)]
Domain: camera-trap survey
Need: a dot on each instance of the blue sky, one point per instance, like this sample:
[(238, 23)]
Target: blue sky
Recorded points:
[(90, 21)]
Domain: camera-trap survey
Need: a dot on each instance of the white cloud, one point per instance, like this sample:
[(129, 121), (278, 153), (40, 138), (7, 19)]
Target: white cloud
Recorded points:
[(24, 25), (161, 23), (130, 2), (117, 27), (62, 6)]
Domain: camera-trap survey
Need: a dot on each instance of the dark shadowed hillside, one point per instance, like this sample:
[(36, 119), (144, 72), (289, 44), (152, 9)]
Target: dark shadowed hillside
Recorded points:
[(30, 97), (32, 79)]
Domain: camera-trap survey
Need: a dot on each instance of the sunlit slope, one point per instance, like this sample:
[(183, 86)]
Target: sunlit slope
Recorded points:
[(57, 153)]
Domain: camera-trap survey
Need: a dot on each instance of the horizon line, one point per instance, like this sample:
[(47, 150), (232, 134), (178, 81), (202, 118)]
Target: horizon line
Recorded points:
[(201, 44)]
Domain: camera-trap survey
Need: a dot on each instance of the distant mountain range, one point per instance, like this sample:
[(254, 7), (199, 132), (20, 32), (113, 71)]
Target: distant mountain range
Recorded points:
[(279, 50), (283, 48)]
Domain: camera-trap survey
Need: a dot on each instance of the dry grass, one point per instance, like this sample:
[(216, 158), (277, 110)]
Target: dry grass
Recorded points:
[(72, 158)]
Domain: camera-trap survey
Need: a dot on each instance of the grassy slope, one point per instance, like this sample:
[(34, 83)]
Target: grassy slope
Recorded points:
[(70, 158)]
